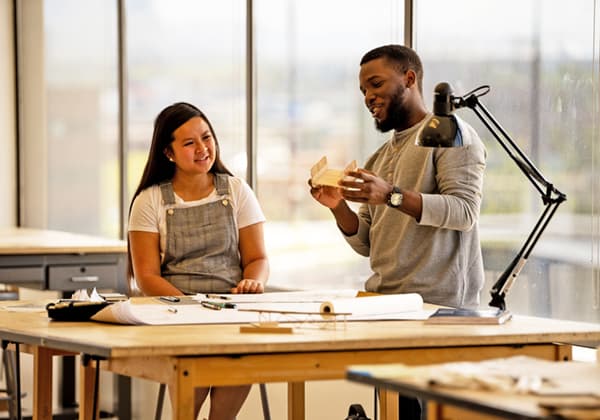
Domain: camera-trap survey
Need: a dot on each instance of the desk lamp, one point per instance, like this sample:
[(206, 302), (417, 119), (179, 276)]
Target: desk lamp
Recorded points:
[(442, 130)]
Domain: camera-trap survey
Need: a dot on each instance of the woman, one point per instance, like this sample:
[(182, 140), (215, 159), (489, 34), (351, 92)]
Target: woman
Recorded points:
[(194, 227)]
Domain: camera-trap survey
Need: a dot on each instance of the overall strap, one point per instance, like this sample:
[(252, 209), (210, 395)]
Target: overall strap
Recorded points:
[(166, 191), (222, 184)]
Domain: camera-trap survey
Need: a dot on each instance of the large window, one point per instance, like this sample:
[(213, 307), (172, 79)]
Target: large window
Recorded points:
[(69, 147), (543, 93), (192, 51), (308, 106)]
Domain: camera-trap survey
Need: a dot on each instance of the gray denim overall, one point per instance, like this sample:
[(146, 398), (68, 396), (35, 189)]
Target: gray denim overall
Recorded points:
[(202, 253)]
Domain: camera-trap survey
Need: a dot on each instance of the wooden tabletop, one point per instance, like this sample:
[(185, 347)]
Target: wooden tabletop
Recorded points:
[(26, 241), (107, 340)]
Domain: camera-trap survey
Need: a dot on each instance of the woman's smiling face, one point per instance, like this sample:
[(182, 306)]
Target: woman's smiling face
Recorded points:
[(193, 147)]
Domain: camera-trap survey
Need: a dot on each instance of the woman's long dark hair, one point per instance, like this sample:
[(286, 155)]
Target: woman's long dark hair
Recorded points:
[(158, 166)]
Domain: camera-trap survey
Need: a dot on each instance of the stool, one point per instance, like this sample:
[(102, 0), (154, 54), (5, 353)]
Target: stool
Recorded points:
[(263, 399), (8, 398), (8, 395)]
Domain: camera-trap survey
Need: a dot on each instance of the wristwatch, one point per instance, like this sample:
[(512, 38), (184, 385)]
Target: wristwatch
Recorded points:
[(394, 198)]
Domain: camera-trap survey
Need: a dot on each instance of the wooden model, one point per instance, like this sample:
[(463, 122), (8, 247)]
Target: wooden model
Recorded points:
[(320, 174)]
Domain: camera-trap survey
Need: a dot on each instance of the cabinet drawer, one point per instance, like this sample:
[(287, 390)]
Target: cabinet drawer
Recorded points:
[(76, 277), (17, 275)]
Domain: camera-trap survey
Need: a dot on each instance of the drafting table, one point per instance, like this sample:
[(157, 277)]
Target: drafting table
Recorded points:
[(61, 261), (573, 388), (187, 356), (64, 262)]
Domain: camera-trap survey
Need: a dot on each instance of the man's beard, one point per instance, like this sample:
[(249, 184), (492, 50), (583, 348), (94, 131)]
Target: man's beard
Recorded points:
[(397, 115)]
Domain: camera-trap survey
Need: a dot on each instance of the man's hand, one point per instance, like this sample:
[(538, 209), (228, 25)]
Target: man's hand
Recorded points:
[(328, 196), (365, 187)]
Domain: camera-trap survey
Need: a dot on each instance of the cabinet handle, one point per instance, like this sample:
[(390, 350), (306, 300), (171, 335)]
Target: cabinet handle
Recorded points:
[(84, 279)]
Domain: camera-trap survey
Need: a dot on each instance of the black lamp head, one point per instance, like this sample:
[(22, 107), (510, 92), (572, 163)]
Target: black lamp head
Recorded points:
[(441, 129), (442, 99)]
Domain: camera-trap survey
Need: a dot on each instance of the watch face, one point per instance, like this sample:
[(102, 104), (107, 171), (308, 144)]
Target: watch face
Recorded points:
[(396, 199)]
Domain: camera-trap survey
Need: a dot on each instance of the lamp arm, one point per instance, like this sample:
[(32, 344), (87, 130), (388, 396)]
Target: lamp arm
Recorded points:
[(551, 197), (506, 280), (507, 143)]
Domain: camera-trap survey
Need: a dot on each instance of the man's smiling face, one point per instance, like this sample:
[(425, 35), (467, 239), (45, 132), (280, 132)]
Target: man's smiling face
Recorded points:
[(384, 89)]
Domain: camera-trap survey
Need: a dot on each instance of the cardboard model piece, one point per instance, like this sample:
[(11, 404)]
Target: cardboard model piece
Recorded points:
[(320, 174)]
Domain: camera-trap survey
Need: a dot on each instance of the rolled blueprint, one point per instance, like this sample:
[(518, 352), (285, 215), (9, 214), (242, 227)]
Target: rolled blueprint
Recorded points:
[(373, 305)]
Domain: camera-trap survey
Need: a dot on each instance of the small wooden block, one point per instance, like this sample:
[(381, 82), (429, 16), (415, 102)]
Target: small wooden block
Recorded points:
[(269, 328)]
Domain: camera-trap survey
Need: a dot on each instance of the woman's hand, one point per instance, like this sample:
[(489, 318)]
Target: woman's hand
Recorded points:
[(248, 286)]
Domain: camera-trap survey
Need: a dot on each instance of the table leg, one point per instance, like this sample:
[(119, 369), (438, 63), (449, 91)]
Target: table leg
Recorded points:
[(42, 383), (87, 374), (68, 387), (388, 401), (182, 396), (122, 397), (296, 401)]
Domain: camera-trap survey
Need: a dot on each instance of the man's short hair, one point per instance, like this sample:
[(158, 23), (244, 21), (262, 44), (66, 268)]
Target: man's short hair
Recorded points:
[(401, 57)]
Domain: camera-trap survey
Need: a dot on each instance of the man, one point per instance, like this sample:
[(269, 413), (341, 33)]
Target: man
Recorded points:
[(418, 221)]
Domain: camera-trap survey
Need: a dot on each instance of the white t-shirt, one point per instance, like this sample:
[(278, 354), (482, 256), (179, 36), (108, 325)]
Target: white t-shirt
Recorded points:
[(148, 211)]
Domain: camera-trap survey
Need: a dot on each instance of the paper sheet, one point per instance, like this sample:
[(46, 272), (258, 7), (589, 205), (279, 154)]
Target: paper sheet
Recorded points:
[(163, 314), (282, 307)]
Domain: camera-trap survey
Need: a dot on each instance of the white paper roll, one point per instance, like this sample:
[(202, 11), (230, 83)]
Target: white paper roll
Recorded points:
[(373, 305)]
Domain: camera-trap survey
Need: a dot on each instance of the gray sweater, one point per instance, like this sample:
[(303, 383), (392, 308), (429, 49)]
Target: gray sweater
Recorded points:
[(438, 257)]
